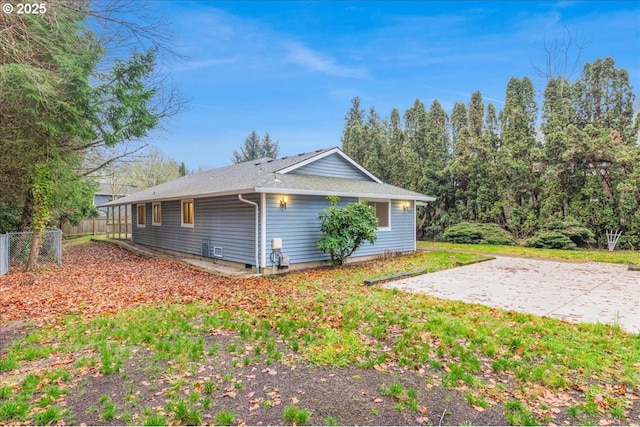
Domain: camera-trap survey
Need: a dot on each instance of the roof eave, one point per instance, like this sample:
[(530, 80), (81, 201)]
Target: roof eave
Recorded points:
[(297, 191), (167, 199)]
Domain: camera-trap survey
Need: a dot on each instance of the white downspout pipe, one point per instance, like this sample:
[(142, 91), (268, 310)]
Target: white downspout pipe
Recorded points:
[(263, 230), (257, 236)]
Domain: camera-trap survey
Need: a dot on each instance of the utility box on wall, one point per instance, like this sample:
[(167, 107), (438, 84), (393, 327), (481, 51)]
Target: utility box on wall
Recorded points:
[(276, 244)]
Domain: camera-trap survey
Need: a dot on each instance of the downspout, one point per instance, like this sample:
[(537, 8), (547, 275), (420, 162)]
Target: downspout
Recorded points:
[(257, 236), (263, 219), (415, 225)]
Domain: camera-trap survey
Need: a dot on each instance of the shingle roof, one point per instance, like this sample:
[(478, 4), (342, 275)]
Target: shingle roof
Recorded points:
[(115, 190), (261, 176)]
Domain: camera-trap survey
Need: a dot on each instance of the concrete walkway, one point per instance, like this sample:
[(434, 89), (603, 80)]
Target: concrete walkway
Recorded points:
[(574, 292)]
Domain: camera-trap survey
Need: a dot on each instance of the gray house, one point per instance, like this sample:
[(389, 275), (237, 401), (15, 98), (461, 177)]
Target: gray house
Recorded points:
[(111, 191), (244, 212)]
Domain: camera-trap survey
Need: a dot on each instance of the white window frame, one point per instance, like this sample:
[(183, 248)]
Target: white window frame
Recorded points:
[(143, 216), (153, 213), (193, 220), (388, 202)]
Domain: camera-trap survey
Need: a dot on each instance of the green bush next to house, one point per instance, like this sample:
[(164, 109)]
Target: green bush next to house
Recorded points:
[(345, 229)]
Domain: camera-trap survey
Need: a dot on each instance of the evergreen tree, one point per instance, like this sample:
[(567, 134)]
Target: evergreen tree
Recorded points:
[(55, 107), (394, 150), (520, 157), (602, 145), (458, 121), (374, 139), (557, 114), (270, 148), (435, 178), (255, 148), (352, 135)]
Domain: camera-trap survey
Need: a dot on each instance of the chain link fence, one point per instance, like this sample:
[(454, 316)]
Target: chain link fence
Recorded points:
[(15, 249)]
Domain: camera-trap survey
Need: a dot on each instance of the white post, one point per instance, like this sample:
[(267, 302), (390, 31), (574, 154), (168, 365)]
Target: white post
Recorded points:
[(612, 238)]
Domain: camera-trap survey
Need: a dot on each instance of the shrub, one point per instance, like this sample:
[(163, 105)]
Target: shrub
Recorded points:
[(576, 232), (550, 240), (567, 234), (472, 232), (345, 229)]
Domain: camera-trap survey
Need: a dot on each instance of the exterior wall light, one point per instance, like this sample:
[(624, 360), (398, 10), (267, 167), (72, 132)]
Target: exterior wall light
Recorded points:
[(406, 206), (283, 202)]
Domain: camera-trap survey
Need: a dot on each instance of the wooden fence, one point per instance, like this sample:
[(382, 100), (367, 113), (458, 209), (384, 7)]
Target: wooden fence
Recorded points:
[(99, 226)]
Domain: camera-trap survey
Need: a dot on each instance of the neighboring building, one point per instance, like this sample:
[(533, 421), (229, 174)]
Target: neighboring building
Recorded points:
[(236, 213), (109, 192)]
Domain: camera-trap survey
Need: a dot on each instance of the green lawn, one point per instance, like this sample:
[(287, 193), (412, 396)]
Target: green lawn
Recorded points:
[(328, 317), (616, 257)]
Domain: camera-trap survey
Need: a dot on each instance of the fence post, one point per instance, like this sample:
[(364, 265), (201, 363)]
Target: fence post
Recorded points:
[(59, 234), (4, 253)]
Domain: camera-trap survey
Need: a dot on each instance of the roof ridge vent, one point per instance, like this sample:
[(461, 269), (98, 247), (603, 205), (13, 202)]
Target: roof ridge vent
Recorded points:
[(263, 160)]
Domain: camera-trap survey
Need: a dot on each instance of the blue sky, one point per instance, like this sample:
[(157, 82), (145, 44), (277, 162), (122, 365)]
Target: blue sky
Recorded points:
[(292, 68)]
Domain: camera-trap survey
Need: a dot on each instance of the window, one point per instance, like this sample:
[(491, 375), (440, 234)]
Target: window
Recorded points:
[(141, 211), (156, 217), (187, 213), (382, 208)]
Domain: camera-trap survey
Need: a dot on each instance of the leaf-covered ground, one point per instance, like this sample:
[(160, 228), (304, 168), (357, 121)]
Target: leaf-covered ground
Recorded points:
[(113, 338)]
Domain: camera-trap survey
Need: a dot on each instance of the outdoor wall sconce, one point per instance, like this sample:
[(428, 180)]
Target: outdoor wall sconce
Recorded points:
[(405, 206), (283, 202)]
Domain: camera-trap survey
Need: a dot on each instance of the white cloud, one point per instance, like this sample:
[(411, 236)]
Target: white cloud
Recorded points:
[(238, 43), (299, 54)]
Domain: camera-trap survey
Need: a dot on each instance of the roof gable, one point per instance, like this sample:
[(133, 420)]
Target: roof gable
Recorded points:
[(331, 163)]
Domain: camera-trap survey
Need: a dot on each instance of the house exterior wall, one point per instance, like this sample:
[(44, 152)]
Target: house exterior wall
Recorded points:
[(101, 199), (299, 228), (227, 221), (332, 165), (230, 224), (400, 237)]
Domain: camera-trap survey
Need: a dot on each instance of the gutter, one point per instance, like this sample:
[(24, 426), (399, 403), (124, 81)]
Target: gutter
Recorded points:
[(257, 237)]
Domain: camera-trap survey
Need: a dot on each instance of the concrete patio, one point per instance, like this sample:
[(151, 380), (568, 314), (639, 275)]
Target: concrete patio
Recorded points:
[(574, 292)]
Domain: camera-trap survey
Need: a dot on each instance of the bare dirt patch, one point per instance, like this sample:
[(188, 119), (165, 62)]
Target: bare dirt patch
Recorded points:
[(258, 392)]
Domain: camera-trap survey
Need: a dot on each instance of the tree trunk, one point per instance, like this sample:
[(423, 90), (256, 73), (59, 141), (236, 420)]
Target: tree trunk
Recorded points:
[(32, 263), (27, 212)]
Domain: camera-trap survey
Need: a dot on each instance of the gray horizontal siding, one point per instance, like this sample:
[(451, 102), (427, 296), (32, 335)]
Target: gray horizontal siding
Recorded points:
[(334, 166), (401, 236), (299, 228), (228, 222)]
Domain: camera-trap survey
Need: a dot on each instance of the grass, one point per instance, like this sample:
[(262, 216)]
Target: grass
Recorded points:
[(595, 255), (295, 416), (81, 240), (330, 318), (224, 418)]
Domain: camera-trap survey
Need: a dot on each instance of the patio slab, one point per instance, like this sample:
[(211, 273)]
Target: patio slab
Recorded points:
[(575, 292)]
